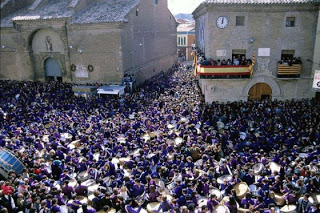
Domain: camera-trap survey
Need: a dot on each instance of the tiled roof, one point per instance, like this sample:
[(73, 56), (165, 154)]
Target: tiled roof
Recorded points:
[(96, 12), (54, 9), (105, 11), (261, 1)]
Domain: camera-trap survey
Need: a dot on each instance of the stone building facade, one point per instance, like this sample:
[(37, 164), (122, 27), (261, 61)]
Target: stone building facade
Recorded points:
[(86, 41), (268, 30)]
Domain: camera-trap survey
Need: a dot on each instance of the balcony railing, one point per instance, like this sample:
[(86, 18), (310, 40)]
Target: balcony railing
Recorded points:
[(229, 71), (286, 71)]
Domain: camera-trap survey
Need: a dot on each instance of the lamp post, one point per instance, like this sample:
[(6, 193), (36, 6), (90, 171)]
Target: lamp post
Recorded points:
[(8, 49)]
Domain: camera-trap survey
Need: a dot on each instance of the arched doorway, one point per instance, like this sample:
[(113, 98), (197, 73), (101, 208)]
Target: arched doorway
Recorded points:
[(52, 70), (260, 91)]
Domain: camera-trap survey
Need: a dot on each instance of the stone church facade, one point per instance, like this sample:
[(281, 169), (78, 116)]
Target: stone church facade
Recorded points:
[(84, 41), (267, 30)]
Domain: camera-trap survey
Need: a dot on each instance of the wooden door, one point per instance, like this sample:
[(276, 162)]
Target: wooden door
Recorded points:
[(260, 91)]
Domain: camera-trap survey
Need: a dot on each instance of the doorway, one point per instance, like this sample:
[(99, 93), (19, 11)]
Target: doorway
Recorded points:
[(260, 91), (52, 70)]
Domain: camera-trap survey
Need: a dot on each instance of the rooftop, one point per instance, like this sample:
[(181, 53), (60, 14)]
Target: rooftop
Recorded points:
[(97, 12)]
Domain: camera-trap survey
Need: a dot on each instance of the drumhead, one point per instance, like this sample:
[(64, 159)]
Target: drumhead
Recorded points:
[(153, 206), (221, 209), (241, 188), (288, 208)]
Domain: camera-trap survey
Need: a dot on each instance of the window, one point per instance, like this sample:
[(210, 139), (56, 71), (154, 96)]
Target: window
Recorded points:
[(287, 55), (240, 20), (179, 40), (155, 1), (184, 41), (290, 22), (137, 12)]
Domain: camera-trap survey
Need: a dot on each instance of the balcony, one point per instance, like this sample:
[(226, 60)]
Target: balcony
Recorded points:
[(222, 72), (286, 71)]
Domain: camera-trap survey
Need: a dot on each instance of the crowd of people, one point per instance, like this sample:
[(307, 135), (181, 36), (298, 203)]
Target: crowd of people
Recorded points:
[(290, 61), (159, 148), (236, 61)]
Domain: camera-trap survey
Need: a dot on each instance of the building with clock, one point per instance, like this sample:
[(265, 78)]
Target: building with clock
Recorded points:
[(84, 41), (257, 49)]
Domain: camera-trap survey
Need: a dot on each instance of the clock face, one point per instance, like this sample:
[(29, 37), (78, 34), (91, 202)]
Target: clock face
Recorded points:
[(222, 22)]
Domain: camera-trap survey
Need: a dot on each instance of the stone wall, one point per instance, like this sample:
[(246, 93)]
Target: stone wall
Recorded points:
[(149, 40)]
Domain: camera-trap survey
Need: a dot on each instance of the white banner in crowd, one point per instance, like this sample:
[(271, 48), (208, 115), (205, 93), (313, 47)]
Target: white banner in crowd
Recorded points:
[(316, 80)]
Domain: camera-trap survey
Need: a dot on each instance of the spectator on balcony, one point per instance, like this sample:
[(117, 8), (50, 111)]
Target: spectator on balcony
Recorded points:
[(224, 62), (218, 62), (229, 62), (235, 61), (243, 61)]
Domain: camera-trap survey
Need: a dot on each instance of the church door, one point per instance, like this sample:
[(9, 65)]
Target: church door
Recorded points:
[(260, 91), (52, 70)]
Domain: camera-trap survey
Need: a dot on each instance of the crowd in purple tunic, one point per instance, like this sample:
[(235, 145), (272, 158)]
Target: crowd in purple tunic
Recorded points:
[(161, 143)]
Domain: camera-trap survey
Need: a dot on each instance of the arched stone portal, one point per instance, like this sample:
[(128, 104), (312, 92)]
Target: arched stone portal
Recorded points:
[(276, 92), (47, 50), (52, 70), (260, 91)]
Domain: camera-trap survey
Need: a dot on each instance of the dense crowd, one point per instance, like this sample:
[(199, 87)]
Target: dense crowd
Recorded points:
[(160, 148)]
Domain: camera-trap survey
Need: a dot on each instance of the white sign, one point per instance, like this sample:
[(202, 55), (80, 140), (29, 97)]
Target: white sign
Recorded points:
[(264, 52), (81, 71), (221, 53), (316, 80)]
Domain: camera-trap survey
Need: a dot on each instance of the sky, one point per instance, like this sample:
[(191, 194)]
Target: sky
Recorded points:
[(183, 6)]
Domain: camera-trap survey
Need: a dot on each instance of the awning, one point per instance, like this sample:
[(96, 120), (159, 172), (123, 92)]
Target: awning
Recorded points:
[(111, 90)]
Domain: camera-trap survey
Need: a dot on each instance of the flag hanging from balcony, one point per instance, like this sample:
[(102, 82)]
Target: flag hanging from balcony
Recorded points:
[(253, 62), (195, 64)]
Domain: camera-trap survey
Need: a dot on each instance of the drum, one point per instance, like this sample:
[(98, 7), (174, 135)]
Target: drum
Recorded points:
[(152, 207), (90, 197), (216, 192), (303, 155), (146, 137), (83, 176), (199, 162), (220, 125), (88, 183), (275, 167), (8, 162), (93, 188), (279, 199), (45, 138), (96, 156), (184, 120), (316, 197), (131, 116), (202, 201), (170, 126), (307, 149), (74, 144), (66, 136), (243, 135), (153, 134), (82, 199), (241, 189), (123, 160), (73, 183), (121, 139), (223, 178), (115, 161), (253, 190), (257, 168), (288, 209), (151, 155), (221, 209), (64, 209), (178, 141)]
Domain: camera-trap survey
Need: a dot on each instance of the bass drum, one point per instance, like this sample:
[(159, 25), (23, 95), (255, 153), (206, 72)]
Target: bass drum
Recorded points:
[(241, 189), (289, 209), (221, 209), (152, 207)]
